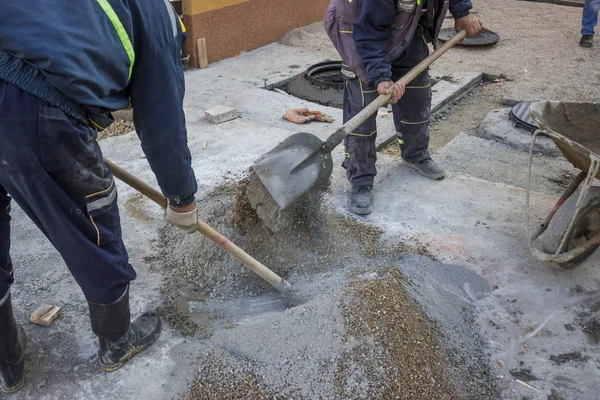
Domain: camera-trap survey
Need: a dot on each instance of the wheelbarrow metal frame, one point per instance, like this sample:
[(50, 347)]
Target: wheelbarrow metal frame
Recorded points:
[(584, 179)]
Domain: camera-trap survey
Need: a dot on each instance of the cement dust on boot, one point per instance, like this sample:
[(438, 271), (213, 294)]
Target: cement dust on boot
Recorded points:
[(360, 200), (429, 168)]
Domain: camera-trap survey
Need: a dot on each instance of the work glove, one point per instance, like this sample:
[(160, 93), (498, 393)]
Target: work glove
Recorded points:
[(304, 115), (185, 221)]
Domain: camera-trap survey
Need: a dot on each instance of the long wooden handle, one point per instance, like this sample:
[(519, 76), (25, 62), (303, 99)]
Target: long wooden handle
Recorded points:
[(203, 228), (383, 99)]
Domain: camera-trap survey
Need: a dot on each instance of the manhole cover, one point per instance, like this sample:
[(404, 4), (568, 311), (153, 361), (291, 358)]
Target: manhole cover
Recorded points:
[(483, 38), (520, 116)]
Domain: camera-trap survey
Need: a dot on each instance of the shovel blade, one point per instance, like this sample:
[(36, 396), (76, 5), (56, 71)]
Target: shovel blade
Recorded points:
[(275, 168)]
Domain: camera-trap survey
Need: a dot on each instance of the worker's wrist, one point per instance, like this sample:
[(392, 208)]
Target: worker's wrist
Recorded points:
[(190, 207), (461, 14), (180, 202), (382, 78)]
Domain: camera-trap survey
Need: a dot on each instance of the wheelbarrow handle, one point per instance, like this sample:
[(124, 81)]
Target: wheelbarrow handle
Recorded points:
[(383, 99), (154, 195)]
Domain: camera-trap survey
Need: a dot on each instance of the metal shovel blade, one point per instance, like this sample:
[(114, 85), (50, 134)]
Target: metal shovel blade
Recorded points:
[(275, 168)]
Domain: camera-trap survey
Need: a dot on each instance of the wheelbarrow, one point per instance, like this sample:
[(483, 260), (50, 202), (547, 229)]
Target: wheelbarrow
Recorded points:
[(571, 232)]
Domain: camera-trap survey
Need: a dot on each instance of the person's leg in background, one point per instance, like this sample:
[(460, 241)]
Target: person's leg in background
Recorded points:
[(360, 153), (413, 110), (53, 168), (589, 20)]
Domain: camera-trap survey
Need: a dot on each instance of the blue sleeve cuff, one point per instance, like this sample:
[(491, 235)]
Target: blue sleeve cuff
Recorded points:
[(382, 78), (179, 202), (461, 14)]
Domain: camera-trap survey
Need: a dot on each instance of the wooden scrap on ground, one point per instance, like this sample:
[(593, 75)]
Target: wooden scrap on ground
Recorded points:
[(528, 386), (45, 315), (202, 53)]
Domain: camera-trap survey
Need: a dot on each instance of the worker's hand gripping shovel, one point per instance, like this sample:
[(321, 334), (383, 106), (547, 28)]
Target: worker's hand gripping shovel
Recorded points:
[(265, 273), (303, 161)]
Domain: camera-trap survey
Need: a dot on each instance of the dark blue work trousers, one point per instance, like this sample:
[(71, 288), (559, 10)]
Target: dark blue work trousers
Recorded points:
[(53, 168), (411, 116)]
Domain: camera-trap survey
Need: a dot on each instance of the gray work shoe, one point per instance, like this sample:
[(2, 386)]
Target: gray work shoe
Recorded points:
[(587, 41), (360, 200), (429, 168)]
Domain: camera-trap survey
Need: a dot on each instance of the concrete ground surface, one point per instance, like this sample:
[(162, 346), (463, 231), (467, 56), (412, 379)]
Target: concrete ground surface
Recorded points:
[(460, 244)]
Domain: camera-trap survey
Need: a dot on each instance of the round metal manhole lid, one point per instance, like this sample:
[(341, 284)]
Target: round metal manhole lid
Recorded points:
[(484, 38), (326, 75), (520, 116)]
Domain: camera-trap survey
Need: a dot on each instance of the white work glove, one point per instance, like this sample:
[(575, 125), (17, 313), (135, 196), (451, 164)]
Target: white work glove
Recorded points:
[(185, 221)]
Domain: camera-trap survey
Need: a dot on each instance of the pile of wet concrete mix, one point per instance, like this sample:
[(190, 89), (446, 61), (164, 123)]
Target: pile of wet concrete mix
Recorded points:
[(367, 322)]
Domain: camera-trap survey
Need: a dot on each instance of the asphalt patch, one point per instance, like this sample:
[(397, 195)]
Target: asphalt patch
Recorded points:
[(523, 374), (574, 356)]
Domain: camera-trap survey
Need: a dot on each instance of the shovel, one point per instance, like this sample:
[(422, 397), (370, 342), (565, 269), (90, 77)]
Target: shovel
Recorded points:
[(258, 268), (303, 161)]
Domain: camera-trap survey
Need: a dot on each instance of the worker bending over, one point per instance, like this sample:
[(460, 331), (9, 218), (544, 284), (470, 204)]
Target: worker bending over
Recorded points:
[(63, 68)]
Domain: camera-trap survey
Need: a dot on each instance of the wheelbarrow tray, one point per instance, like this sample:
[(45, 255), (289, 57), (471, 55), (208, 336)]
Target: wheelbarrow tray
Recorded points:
[(575, 129)]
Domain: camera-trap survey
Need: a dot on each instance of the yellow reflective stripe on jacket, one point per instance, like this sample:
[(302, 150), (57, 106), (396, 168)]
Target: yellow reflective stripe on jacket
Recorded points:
[(179, 18), (182, 25), (121, 32)]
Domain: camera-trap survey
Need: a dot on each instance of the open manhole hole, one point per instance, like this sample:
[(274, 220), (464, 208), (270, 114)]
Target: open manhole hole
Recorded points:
[(321, 83)]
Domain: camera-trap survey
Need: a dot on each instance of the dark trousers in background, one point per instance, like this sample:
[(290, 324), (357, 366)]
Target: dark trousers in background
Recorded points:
[(411, 117), (53, 168)]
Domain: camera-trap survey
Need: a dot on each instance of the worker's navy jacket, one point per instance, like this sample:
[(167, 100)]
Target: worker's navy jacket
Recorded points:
[(370, 34), (95, 56)]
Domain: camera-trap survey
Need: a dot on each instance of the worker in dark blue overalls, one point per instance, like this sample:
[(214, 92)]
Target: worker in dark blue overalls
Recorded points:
[(63, 67), (379, 42)]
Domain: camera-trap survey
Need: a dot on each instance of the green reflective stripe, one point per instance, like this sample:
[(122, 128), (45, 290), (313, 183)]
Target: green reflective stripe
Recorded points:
[(114, 19), (400, 141)]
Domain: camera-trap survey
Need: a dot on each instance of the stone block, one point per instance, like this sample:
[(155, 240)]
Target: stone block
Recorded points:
[(498, 126), (219, 114)]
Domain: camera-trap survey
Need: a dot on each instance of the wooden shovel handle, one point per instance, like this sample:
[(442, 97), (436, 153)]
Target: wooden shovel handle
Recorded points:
[(203, 228), (383, 99)]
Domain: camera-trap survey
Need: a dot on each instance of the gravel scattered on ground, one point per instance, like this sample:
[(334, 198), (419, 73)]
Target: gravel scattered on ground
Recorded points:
[(224, 377), (355, 303), (117, 128), (394, 345)]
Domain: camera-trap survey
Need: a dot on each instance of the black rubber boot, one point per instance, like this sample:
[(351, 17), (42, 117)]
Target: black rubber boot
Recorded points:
[(429, 168), (360, 200), (12, 349), (587, 41), (120, 339)]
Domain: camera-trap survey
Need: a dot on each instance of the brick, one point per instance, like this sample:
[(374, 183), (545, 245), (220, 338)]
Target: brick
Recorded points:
[(219, 114), (45, 315)]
